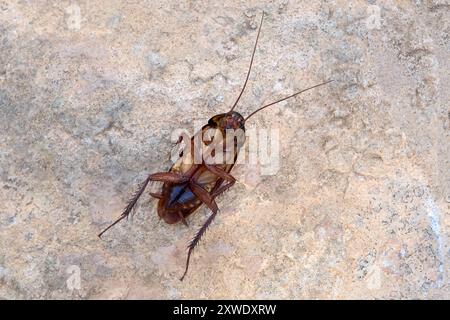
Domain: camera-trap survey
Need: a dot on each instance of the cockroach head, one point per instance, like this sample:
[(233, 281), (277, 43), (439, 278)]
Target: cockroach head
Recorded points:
[(229, 120)]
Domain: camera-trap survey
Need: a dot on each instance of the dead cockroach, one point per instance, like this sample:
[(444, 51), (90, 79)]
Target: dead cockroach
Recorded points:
[(189, 184)]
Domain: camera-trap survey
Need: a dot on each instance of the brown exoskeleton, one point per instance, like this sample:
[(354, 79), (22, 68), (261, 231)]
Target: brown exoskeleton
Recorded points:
[(189, 184)]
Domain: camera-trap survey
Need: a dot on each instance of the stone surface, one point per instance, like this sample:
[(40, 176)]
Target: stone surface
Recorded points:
[(90, 93)]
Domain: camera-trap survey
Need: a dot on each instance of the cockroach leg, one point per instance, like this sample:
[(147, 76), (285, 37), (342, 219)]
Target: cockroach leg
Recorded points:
[(170, 177), (224, 176), (160, 176), (180, 138), (156, 195), (220, 173), (222, 189), (204, 196), (183, 219), (194, 242)]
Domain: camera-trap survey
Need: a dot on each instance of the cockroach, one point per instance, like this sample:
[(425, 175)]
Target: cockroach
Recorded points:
[(188, 185)]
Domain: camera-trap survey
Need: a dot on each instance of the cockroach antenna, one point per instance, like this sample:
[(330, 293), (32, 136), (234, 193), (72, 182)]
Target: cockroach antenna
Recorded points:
[(288, 97), (251, 63)]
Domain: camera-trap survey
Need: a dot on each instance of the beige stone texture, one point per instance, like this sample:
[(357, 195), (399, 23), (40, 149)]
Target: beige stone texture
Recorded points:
[(91, 91)]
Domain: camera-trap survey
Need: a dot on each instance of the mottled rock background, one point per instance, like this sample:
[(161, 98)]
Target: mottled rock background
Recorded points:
[(90, 92)]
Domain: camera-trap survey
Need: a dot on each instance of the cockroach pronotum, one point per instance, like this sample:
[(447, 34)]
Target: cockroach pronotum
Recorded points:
[(189, 184)]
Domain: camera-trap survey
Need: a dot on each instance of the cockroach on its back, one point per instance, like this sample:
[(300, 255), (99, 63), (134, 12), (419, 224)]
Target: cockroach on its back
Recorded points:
[(187, 185)]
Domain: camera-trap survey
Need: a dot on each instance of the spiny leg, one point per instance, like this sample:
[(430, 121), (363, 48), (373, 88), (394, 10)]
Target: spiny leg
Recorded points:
[(156, 195), (171, 177), (183, 219), (220, 173), (160, 176), (180, 139), (222, 189), (178, 142), (224, 176), (194, 242), (204, 196)]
